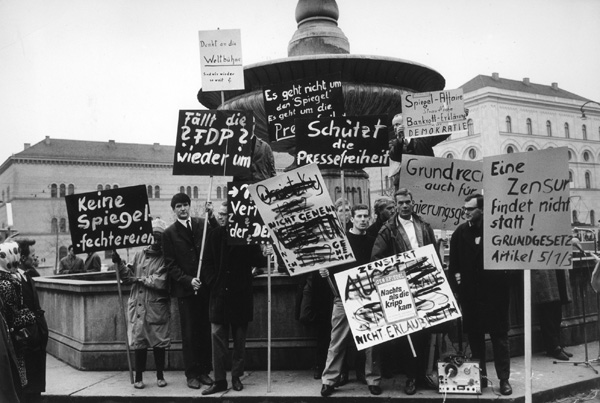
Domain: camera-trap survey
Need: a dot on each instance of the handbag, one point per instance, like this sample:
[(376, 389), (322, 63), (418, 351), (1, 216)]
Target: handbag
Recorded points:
[(32, 337)]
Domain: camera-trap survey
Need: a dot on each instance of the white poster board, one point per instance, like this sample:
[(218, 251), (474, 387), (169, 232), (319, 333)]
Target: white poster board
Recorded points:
[(527, 222), (221, 60), (396, 296), (302, 220), (433, 113)]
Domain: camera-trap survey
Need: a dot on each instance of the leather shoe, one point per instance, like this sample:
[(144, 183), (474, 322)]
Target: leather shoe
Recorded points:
[(215, 388), (566, 352), (411, 386), (161, 383), (375, 389), (559, 354), (236, 384), (205, 379), (505, 388), (193, 383), (342, 380), (139, 385), (327, 390)]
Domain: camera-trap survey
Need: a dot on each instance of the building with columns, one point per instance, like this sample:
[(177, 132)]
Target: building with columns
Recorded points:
[(507, 116)]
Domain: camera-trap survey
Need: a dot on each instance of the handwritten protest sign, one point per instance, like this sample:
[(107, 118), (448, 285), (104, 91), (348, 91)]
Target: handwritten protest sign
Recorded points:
[(527, 224), (213, 142), (433, 113), (221, 60), (439, 187), (244, 224), (109, 219), (304, 226), (352, 142), (396, 296), (320, 96)]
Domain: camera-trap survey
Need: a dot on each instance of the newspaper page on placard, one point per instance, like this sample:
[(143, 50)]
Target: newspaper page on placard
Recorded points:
[(213, 142), (221, 60), (439, 187), (301, 216), (109, 219), (396, 296), (244, 224), (346, 142), (527, 222), (433, 113)]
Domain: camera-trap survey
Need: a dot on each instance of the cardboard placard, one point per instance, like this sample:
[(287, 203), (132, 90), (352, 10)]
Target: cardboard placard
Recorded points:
[(221, 60), (527, 222), (213, 142), (439, 187), (396, 296), (433, 113), (320, 96), (351, 142), (244, 224), (304, 225), (109, 219)]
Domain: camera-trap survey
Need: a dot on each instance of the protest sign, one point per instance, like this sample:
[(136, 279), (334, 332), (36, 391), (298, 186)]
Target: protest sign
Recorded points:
[(304, 225), (109, 219), (221, 60), (352, 142), (433, 113), (527, 224), (213, 142), (396, 296), (244, 224), (439, 187), (285, 102)]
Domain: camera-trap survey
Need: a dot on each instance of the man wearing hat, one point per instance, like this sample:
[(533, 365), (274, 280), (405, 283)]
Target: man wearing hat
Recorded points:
[(182, 242)]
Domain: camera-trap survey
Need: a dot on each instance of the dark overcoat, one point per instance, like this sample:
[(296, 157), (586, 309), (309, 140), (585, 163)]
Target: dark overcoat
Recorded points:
[(227, 271), (182, 253), (484, 295)]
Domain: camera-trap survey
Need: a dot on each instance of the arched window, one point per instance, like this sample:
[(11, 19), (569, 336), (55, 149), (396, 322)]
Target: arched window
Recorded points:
[(157, 192), (53, 190), (510, 149), (99, 188), (107, 186), (592, 217), (149, 191), (470, 128), (71, 189), (508, 125), (218, 192), (224, 191), (195, 192), (181, 189), (584, 131), (529, 128), (386, 182), (531, 148), (62, 190), (567, 133), (188, 191), (570, 176), (54, 225), (575, 214), (115, 186), (586, 156), (588, 180), (472, 153), (63, 225), (359, 195), (570, 155), (548, 128), (449, 155)]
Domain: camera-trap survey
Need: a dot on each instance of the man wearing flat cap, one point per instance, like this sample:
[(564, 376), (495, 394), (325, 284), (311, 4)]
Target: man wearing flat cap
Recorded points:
[(182, 242)]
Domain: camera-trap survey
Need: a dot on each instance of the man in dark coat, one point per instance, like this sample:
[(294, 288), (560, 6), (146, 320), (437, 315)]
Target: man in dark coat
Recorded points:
[(182, 242), (403, 232), (227, 272), (384, 208), (483, 294)]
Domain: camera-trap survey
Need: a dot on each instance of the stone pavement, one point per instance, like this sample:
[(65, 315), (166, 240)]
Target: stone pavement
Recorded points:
[(549, 382)]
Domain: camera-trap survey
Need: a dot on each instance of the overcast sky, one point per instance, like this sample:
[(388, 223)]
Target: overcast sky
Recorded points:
[(122, 69)]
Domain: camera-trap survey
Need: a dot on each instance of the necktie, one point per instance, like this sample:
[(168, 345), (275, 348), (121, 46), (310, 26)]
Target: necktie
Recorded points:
[(189, 227)]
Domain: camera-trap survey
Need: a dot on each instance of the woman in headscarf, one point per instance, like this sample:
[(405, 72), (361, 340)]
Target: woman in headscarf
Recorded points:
[(149, 305)]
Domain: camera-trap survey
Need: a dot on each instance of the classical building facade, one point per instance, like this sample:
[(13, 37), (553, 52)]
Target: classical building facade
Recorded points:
[(507, 116)]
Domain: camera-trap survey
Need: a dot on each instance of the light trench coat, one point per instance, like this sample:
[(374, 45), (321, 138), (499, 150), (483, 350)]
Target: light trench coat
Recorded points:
[(149, 305)]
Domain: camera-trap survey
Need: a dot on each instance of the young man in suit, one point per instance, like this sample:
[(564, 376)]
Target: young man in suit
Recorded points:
[(182, 242)]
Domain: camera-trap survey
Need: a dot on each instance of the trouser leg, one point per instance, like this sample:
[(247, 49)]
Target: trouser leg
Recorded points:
[(340, 329), (140, 363), (159, 362), (477, 344), (501, 348), (239, 349), (220, 349)]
